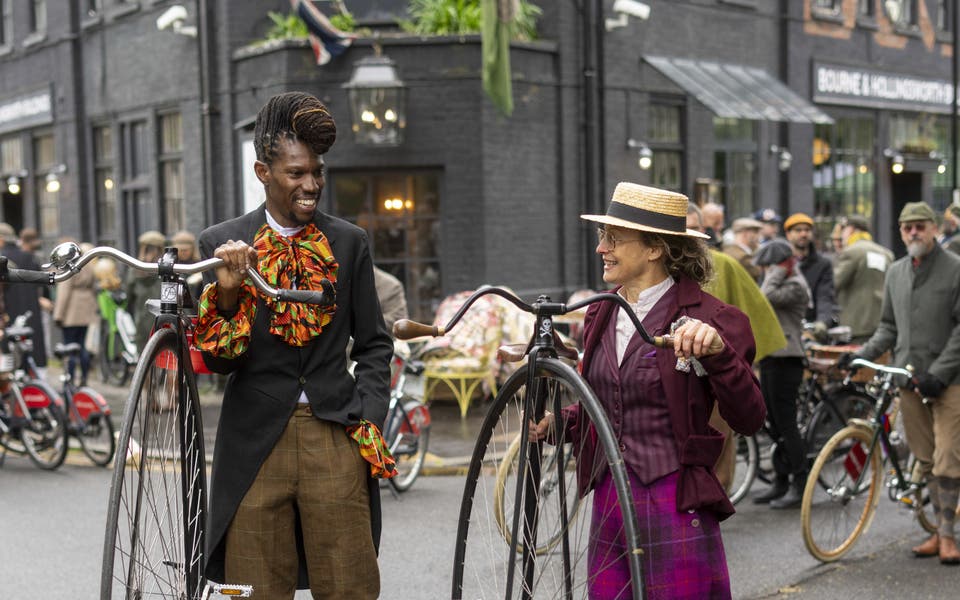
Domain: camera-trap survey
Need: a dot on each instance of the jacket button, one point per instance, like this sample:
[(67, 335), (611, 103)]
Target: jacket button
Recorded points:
[(303, 380), (695, 522), (309, 410)]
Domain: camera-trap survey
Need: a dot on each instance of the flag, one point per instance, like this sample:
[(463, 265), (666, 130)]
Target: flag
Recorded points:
[(495, 50), (326, 40)]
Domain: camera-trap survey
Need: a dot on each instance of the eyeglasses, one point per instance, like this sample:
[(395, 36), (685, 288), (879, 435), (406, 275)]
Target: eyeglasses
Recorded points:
[(919, 226), (606, 237)]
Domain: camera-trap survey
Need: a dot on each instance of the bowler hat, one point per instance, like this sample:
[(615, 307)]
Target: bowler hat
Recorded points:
[(773, 252), (647, 209), (797, 219), (917, 211), (858, 222)]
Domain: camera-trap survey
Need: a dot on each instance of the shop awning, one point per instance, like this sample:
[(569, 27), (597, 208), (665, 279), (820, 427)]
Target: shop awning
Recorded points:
[(738, 91)]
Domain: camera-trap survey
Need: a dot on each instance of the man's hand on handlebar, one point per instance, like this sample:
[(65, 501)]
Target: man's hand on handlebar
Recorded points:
[(237, 256), (929, 385)]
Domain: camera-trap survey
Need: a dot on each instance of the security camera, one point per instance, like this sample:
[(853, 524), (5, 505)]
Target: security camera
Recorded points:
[(172, 17), (632, 8)]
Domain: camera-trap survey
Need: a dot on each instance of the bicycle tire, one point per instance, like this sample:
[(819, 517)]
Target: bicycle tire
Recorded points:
[(923, 508), (745, 470), (411, 439), (11, 437), (114, 368), (506, 482), (95, 432), (832, 518), (483, 560), (155, 538), (45, 434)]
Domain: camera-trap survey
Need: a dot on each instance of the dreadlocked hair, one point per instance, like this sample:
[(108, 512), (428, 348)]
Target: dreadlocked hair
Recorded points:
[(682, 255), (294, 116)]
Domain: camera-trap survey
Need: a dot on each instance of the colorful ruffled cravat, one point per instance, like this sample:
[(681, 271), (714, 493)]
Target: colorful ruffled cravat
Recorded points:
[(300, 261)]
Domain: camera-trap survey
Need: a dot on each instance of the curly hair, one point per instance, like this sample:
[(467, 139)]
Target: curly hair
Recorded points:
[(294, 116), (682, 255)]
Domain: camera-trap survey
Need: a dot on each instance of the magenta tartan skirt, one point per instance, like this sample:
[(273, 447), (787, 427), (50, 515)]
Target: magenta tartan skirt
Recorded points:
[(683, 552)]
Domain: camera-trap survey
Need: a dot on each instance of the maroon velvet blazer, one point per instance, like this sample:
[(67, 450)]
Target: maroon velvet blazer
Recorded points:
[(730, 382)]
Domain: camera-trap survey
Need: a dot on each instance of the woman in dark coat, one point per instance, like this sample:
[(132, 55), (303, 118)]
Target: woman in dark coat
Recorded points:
[(660, 412)]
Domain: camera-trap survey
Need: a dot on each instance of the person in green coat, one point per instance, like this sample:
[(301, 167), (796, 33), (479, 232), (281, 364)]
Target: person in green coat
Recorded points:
[(858, 274)]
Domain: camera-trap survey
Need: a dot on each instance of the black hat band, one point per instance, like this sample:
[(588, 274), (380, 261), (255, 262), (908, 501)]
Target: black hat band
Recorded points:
[(641, 216)]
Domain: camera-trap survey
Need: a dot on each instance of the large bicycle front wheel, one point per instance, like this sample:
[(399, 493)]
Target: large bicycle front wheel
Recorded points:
[(154, 546), (836, 511), (539, 500)]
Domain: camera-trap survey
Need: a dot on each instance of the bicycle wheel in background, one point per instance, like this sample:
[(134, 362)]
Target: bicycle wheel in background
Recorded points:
[(93, 426), (745, 470), (114, 368), (154, 544), (506, 486), (409, 441), (45, 434), (921, 498), (486, 565), (834, 516), (831, 415)]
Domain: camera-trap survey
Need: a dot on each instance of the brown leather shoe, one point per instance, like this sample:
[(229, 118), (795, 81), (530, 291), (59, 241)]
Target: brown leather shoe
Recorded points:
[(930, 547), (949, 554)]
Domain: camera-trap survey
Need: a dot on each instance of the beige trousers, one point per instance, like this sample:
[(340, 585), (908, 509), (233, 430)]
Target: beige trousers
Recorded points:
[(933, 431), (315, 470)]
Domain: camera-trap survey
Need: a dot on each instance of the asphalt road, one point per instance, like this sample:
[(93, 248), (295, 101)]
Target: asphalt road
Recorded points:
[(52, 530)]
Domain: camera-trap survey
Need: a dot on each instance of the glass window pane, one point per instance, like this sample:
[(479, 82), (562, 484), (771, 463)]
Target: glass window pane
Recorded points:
[(49, 205), (171, 137), (665, 171), (173, 195), (664, 123), (11, 154), (44, 152), (106, 197)]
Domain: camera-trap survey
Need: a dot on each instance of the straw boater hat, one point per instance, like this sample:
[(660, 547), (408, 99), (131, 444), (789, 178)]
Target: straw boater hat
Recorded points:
[(647, 209)]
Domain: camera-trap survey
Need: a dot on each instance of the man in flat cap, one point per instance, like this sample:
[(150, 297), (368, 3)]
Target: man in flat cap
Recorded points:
[(746, 240), (858, 278), (920, 322)]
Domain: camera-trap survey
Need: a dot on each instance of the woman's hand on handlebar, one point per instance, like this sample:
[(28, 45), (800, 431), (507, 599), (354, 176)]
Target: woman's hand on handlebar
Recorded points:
[(697, 339)]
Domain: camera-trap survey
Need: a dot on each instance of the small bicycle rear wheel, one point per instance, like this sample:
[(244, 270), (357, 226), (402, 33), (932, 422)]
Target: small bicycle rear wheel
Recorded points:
[(836, 511), (45, 436), (411, 438), (540, 502), (745, 470), (154, 545), (95, 431)]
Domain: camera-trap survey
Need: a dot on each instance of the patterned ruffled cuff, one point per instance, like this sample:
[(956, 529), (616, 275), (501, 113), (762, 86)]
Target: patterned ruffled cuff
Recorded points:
[(373, 449), (221, 337)]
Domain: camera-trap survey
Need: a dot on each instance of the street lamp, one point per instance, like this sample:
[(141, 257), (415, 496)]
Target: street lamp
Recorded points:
[(53, 178), (378, 102)]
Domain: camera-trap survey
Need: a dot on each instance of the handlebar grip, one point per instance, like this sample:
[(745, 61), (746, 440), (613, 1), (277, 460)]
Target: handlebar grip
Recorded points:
[(405, 329), (27, 276), (326, 297)]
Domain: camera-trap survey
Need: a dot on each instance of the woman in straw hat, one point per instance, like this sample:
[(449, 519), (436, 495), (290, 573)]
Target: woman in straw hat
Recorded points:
[(659, 411)]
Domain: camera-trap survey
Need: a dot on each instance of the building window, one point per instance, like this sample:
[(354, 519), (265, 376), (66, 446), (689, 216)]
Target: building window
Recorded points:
[(865, 8), (734, 165), (927, 136), (400, 212), (48, 203), (171, 172), (844, 178), (38, 16), (902, 12), (93, 7), (11, 155), (137, 213), (827, 6), (6, 22), (138, 149), (105, 193), (666, 142), (944, 20)]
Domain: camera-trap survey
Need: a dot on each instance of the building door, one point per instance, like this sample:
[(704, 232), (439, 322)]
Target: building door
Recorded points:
[(905, 187), (13, 210)]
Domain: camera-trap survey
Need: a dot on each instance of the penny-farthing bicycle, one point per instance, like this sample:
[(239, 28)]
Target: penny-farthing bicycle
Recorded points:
[(530, 536), (155, 538)]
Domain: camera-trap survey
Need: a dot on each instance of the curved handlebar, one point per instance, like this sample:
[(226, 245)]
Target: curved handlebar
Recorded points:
[(69, 260), (406, 329), (859, 363)]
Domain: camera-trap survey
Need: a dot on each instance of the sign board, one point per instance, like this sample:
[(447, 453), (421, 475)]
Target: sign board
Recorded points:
[(863, 86), (26, 110)]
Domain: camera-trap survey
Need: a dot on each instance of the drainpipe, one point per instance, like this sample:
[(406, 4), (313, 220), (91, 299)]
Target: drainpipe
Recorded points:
[(593, 189), (204, 41), (86, 203), (954, 63)]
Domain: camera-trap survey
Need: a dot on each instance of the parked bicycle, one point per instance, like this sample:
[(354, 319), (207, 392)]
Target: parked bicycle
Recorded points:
[(117, 354), (854, 466), (543, 495), (155, 540), (825, 402), (89, 415), (406, 429), (32, 422)]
